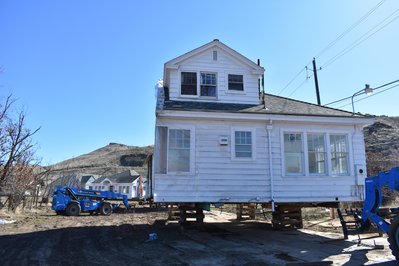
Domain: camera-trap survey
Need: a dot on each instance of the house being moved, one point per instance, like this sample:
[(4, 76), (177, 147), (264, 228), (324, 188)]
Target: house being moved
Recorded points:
[(219, 139)]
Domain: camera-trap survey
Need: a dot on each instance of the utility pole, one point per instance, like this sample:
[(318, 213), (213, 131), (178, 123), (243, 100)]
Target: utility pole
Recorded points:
[(316, 82)]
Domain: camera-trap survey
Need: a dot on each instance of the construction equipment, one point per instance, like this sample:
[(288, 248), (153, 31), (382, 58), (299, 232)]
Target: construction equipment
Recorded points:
[(72, 201), (371, 218)]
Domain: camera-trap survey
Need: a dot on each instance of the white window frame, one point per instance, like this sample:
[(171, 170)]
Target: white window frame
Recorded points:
[(227, 83), (216, 86), (233, 143), (349, 161), (303, 156), (192, 150), (326, 162), (198, 96), (326, 134)]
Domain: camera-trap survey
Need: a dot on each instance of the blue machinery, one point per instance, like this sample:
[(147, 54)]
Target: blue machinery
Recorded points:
[(370, 214), (72, 201)]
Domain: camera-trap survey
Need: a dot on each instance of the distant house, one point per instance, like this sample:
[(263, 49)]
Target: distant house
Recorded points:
[(129, 182), (87, 180)]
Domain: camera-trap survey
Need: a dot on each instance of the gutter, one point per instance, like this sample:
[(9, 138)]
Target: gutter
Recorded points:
[(269, 128)]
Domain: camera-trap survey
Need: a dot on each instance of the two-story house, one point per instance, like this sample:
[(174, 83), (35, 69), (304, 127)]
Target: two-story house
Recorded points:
[(217, 141)]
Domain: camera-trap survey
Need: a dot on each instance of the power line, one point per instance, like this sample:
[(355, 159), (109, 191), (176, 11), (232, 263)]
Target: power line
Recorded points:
[(292, 80), (364, 17), (354, 25), (300, 85), (361, 39), (367, 97), (374, 89)]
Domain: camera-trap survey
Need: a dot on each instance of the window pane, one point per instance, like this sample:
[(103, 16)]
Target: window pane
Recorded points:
[(316, 154), (236, 82), (208, 84), (243, 144), (189, 83), (179, 150), (293, 153), (339, 154)]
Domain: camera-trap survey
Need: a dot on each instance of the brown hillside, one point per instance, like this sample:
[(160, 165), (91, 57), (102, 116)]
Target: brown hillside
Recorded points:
[(111, 159)]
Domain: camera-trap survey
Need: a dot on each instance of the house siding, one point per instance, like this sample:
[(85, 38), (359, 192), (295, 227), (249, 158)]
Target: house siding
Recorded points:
[(226, 64), (217, 177)]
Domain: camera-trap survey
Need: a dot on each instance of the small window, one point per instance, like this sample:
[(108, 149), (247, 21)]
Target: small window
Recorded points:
[(293, 153), (127, 189), (339, 154), (90, 187), (215, 55), (243, 144), (179, 150), (208, 84), (236, 82), (188, 83), (316, 154)]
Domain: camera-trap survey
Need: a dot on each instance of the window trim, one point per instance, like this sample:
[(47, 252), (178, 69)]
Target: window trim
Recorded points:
[(198, 73), (233, 144), (303, 159), (304, 132), (228, 83), (216, 86), (192, 150)]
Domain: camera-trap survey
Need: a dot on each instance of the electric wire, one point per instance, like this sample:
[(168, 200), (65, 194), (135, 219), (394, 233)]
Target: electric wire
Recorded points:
[(349, 29), (354, 25), (361, 39), (374, 89), (300, 85), (367, 97), (292, 80)]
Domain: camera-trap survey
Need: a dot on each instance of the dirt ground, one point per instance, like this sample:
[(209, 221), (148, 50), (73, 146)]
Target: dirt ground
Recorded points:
[(40, 237)]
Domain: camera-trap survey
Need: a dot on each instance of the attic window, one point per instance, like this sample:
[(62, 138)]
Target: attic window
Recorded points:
[(215, 55), (236, 82), (188, 83)]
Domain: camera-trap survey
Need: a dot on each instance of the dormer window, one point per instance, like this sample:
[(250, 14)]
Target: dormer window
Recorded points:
[(236, 82), (188, 83), (208, 84)]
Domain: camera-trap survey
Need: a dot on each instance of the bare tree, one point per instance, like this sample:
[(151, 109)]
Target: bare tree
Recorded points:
[(18, 164)]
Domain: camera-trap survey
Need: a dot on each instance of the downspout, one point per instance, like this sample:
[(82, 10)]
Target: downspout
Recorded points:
[(269, 128)]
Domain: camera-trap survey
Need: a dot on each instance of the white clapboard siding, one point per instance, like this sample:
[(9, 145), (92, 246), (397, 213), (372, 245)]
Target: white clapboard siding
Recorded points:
[(225, 64), (217, 177)]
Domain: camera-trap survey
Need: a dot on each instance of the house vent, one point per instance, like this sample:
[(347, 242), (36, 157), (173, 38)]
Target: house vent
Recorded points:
[(215, 55), (223, 140)]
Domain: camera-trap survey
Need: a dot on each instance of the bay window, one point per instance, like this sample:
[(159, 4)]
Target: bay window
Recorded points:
[(316, 154), (293, 153), (339, 154)]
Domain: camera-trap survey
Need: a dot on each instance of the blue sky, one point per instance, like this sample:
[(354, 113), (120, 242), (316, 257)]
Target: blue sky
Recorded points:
[(84, 71)]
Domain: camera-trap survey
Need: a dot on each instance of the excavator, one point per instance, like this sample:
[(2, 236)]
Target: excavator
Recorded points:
[(370, 218)]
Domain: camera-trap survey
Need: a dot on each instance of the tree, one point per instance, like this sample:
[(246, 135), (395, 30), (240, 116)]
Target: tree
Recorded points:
[(18, 164)]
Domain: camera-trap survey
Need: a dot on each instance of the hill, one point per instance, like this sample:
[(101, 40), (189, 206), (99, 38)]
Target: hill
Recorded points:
[(382, 144), (110, 159)]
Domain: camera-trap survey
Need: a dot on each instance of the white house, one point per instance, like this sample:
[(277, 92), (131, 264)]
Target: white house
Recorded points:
[(129, 182), (216, 141)]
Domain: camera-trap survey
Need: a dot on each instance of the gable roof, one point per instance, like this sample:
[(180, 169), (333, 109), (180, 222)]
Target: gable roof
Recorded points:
[(215, 43), (274, 105), (125, 177)]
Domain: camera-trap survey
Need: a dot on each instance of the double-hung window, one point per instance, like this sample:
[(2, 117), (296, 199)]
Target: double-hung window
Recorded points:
[(316, 154), (188, 83), (208, 84), (236, 82), (293, 155), (243, 144), (179, 150), (339, 154)]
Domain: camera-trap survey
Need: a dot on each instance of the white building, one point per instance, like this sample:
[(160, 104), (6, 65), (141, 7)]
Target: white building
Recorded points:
[(129, 183), (217, 142)]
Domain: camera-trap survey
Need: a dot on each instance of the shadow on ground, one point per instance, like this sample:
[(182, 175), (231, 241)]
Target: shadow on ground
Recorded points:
[(209, 244)]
